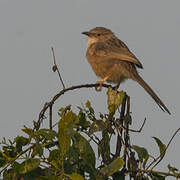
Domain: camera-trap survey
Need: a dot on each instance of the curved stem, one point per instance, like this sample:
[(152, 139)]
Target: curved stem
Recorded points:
[(50, 104)]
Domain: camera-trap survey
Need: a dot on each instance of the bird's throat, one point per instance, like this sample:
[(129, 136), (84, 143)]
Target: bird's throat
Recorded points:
[(91, 41)]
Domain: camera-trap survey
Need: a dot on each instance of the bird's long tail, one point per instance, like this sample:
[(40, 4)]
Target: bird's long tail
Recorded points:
[(151, 93)]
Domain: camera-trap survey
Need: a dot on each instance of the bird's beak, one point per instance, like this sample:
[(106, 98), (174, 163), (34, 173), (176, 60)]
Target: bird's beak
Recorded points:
[(86, 33)]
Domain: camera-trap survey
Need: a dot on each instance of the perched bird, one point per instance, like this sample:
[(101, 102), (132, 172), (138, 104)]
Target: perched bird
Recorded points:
[(112, 60)]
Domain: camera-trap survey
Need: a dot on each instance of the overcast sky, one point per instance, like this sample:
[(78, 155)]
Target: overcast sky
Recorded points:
[(28, 29)]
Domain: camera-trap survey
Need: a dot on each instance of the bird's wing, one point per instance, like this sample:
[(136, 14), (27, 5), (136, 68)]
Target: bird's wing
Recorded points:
[(116, 50)]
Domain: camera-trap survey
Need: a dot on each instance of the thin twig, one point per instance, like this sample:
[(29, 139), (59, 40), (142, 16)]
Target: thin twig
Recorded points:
[(161, 157), (50, 117), (54, 125), (126, 132), (10, 162), (128, 105), (121, 141), (120, 122), (91, 137), (120, 136), (172, 138), (56, 68), (132, 130)]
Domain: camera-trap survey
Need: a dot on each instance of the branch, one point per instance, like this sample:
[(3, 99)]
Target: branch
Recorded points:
[(50, 117), (140, 129), (117, 123), (14, 159), (55, 68), (49, 104), (172, 138), (161, 157)]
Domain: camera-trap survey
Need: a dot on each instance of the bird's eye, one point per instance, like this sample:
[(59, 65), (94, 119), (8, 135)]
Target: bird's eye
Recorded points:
[(98, 34)]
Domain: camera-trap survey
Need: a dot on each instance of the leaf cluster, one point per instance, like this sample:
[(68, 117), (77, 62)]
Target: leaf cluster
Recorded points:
[(70, 152)]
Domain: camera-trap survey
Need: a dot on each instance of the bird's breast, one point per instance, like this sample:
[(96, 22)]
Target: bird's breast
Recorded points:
[(103, 67), (97, 63)]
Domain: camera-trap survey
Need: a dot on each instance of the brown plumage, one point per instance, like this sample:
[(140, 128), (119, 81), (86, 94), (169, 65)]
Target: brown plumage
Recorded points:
[(112, 60)]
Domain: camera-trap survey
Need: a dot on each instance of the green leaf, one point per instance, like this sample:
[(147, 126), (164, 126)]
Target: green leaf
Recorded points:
[(145, 160), (16, 166), (73, 158), (88, 104), (28, 165), (63, 111), (113, 167), (54, 158), (97, 125), (114, 100), (50, 144), (2, 159), (90, 112), (142, 152), (54, 154), (156, 176), (74, 176), (9, 152), (162, 147), (38, 149), (30, 174), (65, 129), (104, 147), (119, 175), (128, 119), (174, 170), (28, 131), (85, 150), (82, 120), (20, 141), (48, 134)]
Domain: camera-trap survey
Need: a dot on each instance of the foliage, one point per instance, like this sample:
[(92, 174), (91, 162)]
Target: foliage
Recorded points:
[(69, 153)]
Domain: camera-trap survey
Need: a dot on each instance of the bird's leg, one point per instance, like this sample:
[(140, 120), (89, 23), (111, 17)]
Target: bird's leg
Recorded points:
[(101, 82)]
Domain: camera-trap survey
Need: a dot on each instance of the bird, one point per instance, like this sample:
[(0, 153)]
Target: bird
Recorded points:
[(112, 60)]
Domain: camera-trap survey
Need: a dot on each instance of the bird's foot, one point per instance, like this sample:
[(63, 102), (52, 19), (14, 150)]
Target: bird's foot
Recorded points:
[(101, 82)]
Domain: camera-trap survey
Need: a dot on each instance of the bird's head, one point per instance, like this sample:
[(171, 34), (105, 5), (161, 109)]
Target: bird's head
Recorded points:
[(98, 34)]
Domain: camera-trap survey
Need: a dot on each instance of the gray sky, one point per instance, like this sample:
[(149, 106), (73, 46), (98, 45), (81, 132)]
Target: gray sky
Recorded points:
[(28, 30)]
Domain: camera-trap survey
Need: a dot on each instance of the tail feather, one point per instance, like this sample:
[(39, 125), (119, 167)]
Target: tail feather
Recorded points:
[(151, 93)]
